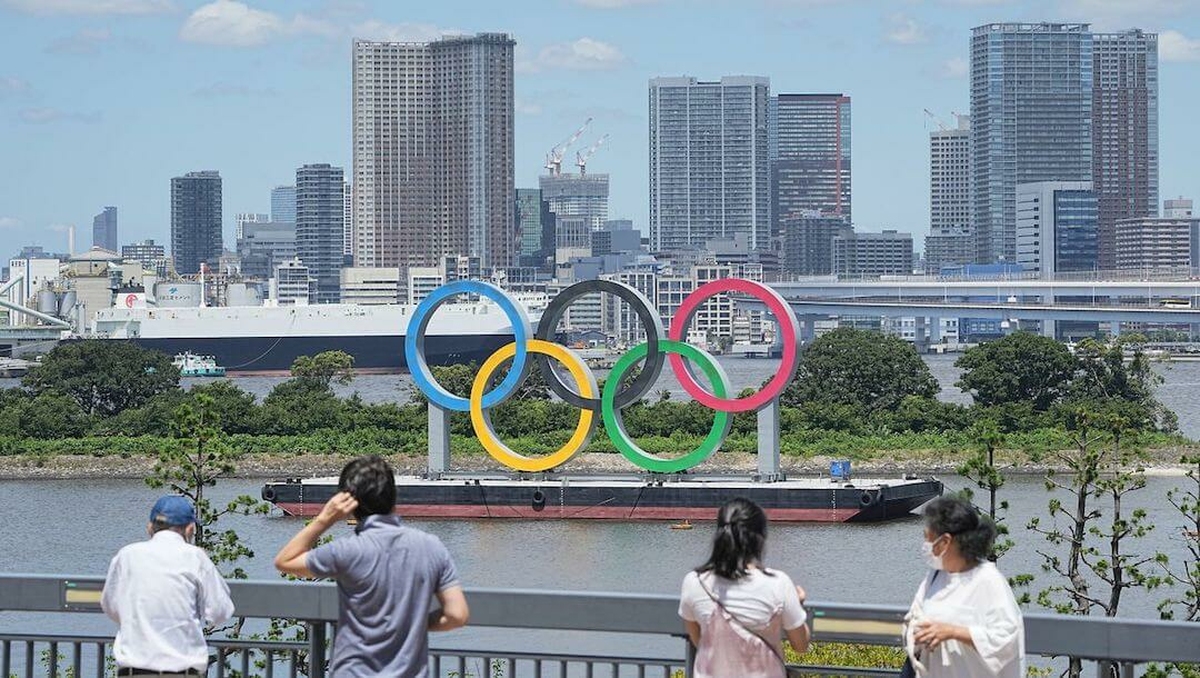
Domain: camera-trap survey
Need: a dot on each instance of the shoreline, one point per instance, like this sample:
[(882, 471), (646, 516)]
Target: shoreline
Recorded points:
[(1159, 463)]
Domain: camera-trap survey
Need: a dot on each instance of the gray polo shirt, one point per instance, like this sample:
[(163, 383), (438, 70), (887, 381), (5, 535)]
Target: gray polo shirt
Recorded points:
[(387, 574)]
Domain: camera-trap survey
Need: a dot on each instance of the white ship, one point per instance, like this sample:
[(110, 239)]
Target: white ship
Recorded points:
[(269, 338)]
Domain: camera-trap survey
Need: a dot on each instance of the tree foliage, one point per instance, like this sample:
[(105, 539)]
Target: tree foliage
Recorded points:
[(865, 369), (1116, 375), (325, 368), (104, 376), (1020, 368)]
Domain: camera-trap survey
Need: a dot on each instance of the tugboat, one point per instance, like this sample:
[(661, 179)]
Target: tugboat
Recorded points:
[(192, 365)]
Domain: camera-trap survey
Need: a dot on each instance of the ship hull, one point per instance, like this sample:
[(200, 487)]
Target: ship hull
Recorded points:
[(787, 501), (379, 353)]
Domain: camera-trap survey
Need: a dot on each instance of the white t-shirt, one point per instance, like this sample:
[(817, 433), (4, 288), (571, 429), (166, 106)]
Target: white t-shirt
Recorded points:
[(981, 600), (753, 599)]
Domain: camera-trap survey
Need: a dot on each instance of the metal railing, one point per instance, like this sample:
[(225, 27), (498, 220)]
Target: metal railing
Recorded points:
[(1120, 642)]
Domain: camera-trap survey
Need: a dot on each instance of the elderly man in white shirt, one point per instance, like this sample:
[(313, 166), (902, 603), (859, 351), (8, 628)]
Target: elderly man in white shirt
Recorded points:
[(162, 592)]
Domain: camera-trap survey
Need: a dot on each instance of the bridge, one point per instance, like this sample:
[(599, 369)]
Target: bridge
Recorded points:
[(646, 626)]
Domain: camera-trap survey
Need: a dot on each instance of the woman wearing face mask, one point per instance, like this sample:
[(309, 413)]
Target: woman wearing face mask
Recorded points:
[(734, 609), (964, 621)]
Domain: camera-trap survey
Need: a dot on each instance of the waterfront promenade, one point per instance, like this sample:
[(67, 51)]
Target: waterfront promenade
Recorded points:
[(1128, 644)]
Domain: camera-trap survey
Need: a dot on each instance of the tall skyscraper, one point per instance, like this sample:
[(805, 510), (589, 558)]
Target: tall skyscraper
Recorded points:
[(1124, 131), (195, 220), (1031, 120), (433, 151), (320, 205), (104, 229), (348, 222), (810, 155), (949, 241), (576, 195), (1057, 226), (283, 204), (709, 174)]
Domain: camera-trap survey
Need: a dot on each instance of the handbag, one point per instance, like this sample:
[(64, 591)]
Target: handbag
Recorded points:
[(787, 671), (911, 660)]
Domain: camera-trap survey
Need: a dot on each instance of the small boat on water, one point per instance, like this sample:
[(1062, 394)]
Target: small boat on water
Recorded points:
[(192, 365), (685, 525)]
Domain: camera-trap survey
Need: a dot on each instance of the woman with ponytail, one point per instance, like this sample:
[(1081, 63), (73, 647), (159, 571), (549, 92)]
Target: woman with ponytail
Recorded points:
[(964, 621), (735, 610)]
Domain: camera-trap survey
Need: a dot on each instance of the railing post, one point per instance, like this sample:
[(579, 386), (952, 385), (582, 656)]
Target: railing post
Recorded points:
[(316, 649), (689, 657)]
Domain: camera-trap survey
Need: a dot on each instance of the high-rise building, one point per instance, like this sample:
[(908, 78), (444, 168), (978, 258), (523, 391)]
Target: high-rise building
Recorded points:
[(320, 205), (243, 218), (1177, 208), (1124, 131), (709, 172), (195, 220), (433, 151), (283, 204), (535, 228), (1153, 242), (104, 229), (1031, 121), (949, 241), (808, 242), (873, 254), (348, 222), (577, 195), (152, 256), (264, 246), (810, 155), (1057, 227)]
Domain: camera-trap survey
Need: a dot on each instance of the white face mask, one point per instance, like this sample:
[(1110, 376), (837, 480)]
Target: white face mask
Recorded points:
[(931, 560)]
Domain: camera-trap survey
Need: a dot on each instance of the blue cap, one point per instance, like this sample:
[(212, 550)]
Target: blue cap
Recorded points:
[(173, 510)]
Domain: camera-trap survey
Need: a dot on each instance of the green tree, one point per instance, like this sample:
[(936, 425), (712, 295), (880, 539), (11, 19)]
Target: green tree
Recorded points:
[(195, 467), (1021, 367), (981, 469), (856, 367), (235, 409), (52, 415), (1184, 605), (1117, 375), (104, 376), (325, 368)]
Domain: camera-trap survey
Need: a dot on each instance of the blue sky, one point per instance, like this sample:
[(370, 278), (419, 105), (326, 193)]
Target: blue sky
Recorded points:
[(103, 101)]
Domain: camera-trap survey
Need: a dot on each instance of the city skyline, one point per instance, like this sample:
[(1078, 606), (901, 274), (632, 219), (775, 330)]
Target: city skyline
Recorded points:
[(238, 108)]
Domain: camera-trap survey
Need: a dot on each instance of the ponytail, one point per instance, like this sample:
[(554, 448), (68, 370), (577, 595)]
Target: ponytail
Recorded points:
[(740, 539)]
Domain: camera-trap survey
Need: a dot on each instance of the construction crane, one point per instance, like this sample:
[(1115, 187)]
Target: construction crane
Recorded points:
[(941, 125), (582, 157), (555, 156)]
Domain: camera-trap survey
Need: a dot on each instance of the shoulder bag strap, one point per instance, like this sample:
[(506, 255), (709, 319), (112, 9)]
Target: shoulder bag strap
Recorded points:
[(742, 624)]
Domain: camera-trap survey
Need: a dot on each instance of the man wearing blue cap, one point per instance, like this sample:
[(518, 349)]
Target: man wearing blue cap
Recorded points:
[(162, 592)]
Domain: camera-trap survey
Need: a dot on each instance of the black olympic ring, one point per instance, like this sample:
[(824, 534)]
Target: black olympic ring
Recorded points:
[(646, 313)]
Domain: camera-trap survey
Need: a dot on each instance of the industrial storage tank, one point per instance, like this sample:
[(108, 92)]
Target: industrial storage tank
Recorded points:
[(242, 294), (177, 294), (47, 302), (67, 304)]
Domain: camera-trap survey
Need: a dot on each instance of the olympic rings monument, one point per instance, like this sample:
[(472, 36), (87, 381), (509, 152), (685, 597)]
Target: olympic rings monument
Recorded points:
[(531, 350), (663, 488)]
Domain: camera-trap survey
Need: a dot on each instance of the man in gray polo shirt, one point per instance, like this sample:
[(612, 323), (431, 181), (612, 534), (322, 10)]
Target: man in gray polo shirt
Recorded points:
[(387, 575)]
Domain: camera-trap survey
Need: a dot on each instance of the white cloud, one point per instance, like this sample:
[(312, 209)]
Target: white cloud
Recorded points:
[(954, 68), (95, 7), (584, 54), (229, 23), (46, 115), (9, 222), (12, 85), (1175, 46), (613, 4), (374, 29), (83, 41), (904, 30)]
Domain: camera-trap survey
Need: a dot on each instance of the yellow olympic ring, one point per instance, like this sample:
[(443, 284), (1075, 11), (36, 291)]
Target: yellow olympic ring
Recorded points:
[(585, 381)]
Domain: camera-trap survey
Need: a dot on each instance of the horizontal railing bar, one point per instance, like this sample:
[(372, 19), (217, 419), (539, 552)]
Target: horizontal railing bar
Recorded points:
[(1120, 639), (228, 643), (549, 656)]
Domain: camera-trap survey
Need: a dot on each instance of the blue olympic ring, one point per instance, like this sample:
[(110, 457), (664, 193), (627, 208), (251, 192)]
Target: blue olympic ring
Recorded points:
[(414, 345)]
